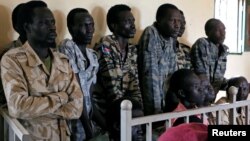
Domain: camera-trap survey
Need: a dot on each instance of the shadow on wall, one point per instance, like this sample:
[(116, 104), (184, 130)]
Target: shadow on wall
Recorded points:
[(136, 12), (61, 25), (99, 15), (6, 30)]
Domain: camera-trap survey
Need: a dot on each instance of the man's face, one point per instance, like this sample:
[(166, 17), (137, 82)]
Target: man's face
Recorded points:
[(83, 28), (125, 27), (193, 91), (243, 90), (169, 26), (218, 33), (42, 30)]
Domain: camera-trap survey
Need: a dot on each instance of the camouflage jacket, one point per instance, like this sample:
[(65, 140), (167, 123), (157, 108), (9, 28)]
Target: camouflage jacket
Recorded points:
[(157, 62), (41, 99), (116, 78), (183, 56), (205, 60)]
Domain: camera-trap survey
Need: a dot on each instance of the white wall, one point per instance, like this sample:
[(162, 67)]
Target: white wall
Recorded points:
[(197, 12)]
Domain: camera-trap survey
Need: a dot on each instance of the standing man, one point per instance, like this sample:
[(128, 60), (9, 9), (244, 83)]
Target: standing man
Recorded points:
[(182, 50), (84, 63), (157, 57), (117, 76), (39, 85), (209, 55)]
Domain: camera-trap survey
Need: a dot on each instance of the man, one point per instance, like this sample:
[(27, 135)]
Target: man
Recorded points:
[(16, 14), (182, 50), (209, 55), (39, 85), (84, 63), (157, 57), (117, 76)]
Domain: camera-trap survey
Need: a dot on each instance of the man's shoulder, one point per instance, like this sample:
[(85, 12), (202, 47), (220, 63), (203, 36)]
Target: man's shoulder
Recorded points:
[(16, 52), (66, 43)]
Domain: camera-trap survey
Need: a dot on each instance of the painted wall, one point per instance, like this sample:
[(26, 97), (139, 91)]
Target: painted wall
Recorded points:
[(197, 12)]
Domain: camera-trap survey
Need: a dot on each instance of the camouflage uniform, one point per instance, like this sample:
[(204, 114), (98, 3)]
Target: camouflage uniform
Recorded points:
[(116, 78), (14, 44), (86, 75), (205, 60), (39, 98), (157, 62), (183, 56)]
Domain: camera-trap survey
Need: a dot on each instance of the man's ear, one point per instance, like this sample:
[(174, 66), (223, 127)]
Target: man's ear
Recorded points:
[(26, 27), (181, 94), (113, 26)]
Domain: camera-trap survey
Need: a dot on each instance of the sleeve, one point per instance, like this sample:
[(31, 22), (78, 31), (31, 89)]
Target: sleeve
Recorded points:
[(68, 49), (199, 57), (134, 88), (149, 74), (73, 108), (20, 103)]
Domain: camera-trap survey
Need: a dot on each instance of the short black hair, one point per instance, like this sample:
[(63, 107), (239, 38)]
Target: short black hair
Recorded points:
[(178, 79), (210, 24), (161, 11), (71, 16), (14, 17), (113, 13), (28, 10)]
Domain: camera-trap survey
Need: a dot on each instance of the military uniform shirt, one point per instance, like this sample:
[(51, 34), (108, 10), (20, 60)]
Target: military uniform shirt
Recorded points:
[(116, 78), (40, 99), (205, 60), (87, 77), (183, 56), (157, 62)]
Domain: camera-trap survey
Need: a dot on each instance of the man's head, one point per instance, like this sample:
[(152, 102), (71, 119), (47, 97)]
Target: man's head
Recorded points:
[(121, 21), (243, 88), (39, 24), (15, 17), (113, 119), (186, 85), (80, 25), (183, 24), (168, 20), (215, 31)]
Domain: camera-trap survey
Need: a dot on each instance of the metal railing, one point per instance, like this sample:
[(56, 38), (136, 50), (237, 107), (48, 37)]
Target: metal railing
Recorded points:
[(128, 121), (11, 129)]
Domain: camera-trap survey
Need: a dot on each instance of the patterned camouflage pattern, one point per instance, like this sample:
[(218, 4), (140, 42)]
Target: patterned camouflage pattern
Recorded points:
[(157, 62), (205, 60), (40, 99), (115, 78), (87, 77), (183, 56)]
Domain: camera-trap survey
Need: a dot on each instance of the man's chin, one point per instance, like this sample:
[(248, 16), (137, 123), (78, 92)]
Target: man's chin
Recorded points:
[(52, 44)]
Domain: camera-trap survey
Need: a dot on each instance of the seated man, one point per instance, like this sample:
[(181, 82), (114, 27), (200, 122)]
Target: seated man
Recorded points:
[(114, 116), (243, 91), (184, 92), (40, 88), (18, 27), (209, 55)]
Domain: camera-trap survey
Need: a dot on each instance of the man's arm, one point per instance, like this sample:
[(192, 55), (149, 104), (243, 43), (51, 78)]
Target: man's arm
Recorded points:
[(149, 74), (20, 103), (199, 57)]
